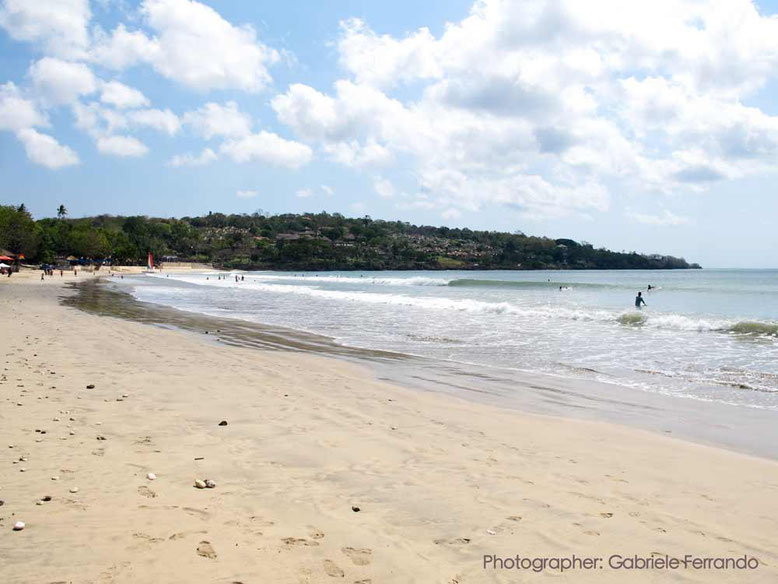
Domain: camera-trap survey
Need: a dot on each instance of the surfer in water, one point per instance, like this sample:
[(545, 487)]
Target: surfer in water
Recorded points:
[(639, 301)]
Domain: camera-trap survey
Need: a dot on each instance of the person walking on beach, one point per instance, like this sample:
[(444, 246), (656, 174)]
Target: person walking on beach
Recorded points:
[(639, 301)]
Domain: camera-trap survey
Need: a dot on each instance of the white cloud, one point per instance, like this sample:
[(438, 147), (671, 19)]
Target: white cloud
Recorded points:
[(124, 146), (44, 150), (304, 193), (537, 104), (205, 157), (214, 119), (327, 190), (666, 218), (247, 194), (58, 26), (17, 112), (97, 121), (61, 82), (123, 48), (191, 44), (268, 148), (161, 120), (384, 188), (122, 96)]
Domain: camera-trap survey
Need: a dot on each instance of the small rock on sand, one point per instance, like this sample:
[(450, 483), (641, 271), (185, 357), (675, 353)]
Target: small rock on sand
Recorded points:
[(199, 484), (90, 386), (19, 525), (223, 423), (209, 484), (74, 490), (205, 549), (355, 509), (151, 476)]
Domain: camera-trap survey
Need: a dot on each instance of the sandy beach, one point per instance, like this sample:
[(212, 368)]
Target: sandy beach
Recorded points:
[(323, 473)]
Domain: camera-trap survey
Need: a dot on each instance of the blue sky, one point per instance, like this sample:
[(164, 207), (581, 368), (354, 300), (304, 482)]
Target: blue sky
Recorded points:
[(645, 126)]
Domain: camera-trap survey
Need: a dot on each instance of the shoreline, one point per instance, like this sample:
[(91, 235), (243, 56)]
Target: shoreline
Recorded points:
[(439, 481), (718, 424)]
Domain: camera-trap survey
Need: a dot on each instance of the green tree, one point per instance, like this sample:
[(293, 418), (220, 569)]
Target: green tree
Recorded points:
[(62, 212)]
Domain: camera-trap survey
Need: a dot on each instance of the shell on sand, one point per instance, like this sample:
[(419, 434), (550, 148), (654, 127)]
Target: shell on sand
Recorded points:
[(19, 525), (74, 490), (151, 476)]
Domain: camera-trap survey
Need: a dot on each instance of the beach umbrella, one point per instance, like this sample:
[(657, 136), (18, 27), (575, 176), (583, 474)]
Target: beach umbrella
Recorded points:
[(6, 259)]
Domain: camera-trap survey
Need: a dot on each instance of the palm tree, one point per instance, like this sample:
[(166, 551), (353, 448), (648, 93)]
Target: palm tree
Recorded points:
[(62, 212)]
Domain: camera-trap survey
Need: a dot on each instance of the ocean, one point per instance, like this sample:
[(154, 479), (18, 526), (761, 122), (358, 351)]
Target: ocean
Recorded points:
[(707, 335)]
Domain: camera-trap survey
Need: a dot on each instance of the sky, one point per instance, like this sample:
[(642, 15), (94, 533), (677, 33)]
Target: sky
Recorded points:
[(632, 125)]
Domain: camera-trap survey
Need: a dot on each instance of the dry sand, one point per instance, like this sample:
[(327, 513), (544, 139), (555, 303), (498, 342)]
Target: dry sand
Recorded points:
[(438, 481)]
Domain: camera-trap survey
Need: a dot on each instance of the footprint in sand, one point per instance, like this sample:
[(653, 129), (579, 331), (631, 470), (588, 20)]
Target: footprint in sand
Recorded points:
[(299, 541), (316, 533), (184, 534), (146, 492), (455, 541), (196, 512), (332, 569), (205, 550), (360, 557), (514, 518)]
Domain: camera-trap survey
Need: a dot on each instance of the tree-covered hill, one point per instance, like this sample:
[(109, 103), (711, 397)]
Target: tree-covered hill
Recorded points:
[(320, 241)]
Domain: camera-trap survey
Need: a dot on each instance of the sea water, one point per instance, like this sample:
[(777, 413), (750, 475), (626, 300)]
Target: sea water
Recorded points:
[(704, 334)]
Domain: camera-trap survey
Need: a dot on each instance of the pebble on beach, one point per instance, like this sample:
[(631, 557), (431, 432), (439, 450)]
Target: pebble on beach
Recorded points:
[(74, 490), (90, 386), (19, 525), (199, 484), (355, 509), (151, 476), (209, 484), (223, 423)]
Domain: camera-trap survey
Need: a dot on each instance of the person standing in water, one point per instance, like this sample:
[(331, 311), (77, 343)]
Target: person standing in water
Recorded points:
[(639, 301)]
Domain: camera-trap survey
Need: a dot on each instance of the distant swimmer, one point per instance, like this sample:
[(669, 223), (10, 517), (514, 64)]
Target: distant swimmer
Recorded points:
[(650, 287), (639, 301)]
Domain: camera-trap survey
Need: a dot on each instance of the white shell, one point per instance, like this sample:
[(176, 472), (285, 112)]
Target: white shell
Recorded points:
[(151, 476), (19, 525), (74, 490)]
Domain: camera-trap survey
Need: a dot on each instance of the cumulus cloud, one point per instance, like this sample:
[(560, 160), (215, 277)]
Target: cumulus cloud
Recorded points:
[(122, 146), (267, 148), (122, 96), (44, 150), (61, 82), (18, 112), (190, 43), (205, 157), (161, 120), (536, 105), (214, 119), (59, 27), (304, 193)]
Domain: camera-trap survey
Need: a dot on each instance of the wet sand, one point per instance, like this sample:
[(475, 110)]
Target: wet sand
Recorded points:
[(438, 481)]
